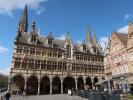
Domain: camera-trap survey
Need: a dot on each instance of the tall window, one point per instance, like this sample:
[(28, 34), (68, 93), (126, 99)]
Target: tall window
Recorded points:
[(33, 39), (68, 48), (49, 41), (84, 47)]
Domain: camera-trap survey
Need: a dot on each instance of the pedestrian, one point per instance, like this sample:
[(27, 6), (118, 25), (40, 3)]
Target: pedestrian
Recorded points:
[(24, 93), (69, 92), (7, 96)]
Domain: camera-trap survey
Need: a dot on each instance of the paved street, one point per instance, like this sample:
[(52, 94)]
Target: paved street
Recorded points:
[(48, 97)]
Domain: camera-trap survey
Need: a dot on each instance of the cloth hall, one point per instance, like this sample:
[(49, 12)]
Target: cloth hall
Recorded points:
[(46, 65)]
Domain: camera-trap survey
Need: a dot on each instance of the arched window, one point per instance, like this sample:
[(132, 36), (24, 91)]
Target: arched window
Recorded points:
[(68, 48)]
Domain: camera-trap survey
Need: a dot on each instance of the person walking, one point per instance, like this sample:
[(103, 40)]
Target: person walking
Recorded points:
[(24, 93), (7, 96)]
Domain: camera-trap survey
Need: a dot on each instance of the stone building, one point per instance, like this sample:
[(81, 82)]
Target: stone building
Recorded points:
[(118, 59), (46, 65)]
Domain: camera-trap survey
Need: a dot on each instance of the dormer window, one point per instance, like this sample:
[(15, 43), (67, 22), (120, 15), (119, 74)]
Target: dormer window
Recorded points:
[(84, 47), (68, 51), (94, 50), (33, 39), (49, 41)]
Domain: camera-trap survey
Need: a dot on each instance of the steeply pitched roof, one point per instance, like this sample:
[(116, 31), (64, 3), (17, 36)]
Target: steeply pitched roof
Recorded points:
[(122, 37), (57, 43)]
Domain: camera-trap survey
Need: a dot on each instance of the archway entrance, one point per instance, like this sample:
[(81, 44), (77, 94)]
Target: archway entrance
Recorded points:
[(95, 80), (80, 83), (17, 84), (68, 83), (32, 85), (88, 83), (45, 85), (56, 85)]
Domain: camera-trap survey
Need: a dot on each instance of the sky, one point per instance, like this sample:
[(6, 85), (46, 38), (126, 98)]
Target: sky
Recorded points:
[(60, 17)]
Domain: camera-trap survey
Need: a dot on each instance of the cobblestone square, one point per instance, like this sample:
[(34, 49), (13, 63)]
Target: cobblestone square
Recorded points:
[(48, 97)]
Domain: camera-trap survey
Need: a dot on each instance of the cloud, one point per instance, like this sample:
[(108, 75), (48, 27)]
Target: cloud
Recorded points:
[(5, 71), (3, 49), (127, 16), (79, 41), (103, 42), (123, 29), (8, 6), (62, 37)]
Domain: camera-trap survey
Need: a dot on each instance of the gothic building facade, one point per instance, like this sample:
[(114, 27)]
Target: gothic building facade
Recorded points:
[(46, 65)]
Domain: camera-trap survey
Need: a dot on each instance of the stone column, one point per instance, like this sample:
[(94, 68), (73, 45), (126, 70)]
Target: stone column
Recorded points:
[(84, 82), (76, 84), (46, 66), (61, 86), (38, 92), (51, 87), (92, 82), (25, 84)]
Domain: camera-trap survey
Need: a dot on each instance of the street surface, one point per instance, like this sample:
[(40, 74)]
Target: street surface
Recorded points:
[(48, 97)]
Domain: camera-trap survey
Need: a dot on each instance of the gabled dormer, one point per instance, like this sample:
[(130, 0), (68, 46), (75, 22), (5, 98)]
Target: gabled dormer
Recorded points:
[(83, 47), (69, 47), (33, 33), (49, 39), (118, 41)]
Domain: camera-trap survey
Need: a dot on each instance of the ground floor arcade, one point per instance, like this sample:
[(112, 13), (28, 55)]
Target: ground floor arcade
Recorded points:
[(50, 85)]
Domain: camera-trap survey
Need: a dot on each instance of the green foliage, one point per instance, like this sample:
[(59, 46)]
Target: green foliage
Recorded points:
[(128, 95), (3, 83)]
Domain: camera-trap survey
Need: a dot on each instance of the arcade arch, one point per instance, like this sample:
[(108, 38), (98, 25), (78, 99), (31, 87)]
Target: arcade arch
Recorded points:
[(32, 85), (68, 83), (80, 83), (45, 85), (56, 85), (18, 82)]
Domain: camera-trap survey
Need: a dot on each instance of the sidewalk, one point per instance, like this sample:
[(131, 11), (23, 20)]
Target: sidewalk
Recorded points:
[(125, 98)]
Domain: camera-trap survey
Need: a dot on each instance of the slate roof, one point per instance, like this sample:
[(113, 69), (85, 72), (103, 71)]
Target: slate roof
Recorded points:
[(57, 43)]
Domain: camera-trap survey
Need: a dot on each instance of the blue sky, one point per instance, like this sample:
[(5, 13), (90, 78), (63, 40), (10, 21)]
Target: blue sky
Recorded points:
[(61, 16)]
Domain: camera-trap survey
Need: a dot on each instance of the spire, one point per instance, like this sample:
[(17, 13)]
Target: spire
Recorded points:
[(25, 19), (94, 38), (109, 41), (89, 40), (23, 23)]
